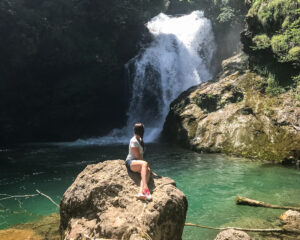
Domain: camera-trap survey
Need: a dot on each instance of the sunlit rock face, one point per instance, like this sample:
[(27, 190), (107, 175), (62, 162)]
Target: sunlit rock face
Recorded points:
[(232, 115)]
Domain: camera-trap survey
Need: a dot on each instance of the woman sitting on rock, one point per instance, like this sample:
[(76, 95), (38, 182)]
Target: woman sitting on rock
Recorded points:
[(136, 163)]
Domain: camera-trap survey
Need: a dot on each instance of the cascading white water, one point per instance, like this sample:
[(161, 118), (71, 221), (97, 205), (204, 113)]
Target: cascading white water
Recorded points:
[(178, 58)]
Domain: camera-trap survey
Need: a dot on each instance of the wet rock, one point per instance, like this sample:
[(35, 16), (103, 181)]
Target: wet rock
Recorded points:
[(101, 204), (231, 234), (230, 114), (291, 221)]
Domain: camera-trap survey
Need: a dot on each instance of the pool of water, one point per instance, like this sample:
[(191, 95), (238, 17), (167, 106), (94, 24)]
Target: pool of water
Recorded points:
[(210, 181)]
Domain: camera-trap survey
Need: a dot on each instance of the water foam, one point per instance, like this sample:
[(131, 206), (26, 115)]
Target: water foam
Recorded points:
[(178, 58)]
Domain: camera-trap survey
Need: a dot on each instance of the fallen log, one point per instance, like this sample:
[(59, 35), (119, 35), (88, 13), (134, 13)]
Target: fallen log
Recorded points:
[(280, 230), (247, 201), (46, 196), (7, 196), (266, 230)]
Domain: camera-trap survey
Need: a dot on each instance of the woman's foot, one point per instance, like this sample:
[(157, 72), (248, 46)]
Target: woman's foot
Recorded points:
[(141, 196), (147, 194)]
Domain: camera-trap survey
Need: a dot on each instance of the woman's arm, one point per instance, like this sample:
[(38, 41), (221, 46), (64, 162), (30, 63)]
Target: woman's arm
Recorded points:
[(136, 153)]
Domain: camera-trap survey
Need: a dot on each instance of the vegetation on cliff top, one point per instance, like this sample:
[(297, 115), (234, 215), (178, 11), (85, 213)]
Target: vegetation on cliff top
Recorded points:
[(272, 39)]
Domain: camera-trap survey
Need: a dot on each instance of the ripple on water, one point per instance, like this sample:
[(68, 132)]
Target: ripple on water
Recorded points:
[(210, 181)]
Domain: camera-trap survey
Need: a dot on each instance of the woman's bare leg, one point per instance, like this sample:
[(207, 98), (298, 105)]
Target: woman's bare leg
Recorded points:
[(148, 174), (142, 167)]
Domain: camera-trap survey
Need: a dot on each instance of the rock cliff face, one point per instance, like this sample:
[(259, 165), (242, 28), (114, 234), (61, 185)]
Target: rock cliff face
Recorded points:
[(101, 204), (231, 114)]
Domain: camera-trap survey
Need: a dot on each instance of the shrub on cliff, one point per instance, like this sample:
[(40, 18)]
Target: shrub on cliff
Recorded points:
[(272, 39)]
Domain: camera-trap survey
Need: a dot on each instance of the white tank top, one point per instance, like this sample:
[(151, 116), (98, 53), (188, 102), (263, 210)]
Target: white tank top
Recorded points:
[(134, 143)]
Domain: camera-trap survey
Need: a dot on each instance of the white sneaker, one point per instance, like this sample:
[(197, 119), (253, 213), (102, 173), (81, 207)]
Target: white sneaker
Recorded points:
[(147, 194), (141, 196)]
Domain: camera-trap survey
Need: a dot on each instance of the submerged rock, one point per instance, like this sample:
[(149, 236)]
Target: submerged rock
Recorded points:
[(231, 234), (231, 114), (291, 221), (46, 227), (101, 203), (18, 234)]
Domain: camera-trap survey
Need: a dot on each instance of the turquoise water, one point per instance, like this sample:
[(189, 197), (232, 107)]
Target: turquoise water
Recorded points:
[(210, 181)]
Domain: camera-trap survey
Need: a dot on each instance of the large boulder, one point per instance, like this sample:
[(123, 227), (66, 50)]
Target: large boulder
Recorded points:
[(101, 204), (232, 114), (232, 234)]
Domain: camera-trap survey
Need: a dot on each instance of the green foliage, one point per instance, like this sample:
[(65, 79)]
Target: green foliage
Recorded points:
[(279, 45), (272, 13), (273, 87), (296, 80), (286, 45), (261, 41), (278, 20), (221, 11), (273, 40), (227, 15)]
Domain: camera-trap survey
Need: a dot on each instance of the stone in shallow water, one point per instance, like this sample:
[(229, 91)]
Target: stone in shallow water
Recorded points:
[(101, 203), (46, 227), (291, 221), (18, 234), (231, 234)]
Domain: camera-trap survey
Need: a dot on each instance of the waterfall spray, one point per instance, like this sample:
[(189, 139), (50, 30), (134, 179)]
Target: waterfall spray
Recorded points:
[(178, 58)]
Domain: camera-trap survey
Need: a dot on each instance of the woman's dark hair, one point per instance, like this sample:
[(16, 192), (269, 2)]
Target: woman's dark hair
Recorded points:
[(139, 130)]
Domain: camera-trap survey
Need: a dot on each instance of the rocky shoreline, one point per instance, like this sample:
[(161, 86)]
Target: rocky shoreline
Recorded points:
[(100, 204), (232, 114)]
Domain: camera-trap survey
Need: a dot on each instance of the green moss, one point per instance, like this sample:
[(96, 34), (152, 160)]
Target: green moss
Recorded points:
[(273, 87), (226, 15), (279, 44), (261, 41), (262, 148), (272, 13), (286, 22), (286, 46), (294, 53), (296, 80)]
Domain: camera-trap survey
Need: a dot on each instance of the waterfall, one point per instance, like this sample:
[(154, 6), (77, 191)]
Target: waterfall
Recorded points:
[(178, 58)]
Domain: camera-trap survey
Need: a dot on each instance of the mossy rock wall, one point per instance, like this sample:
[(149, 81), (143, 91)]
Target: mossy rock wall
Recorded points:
[(231, 114)]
